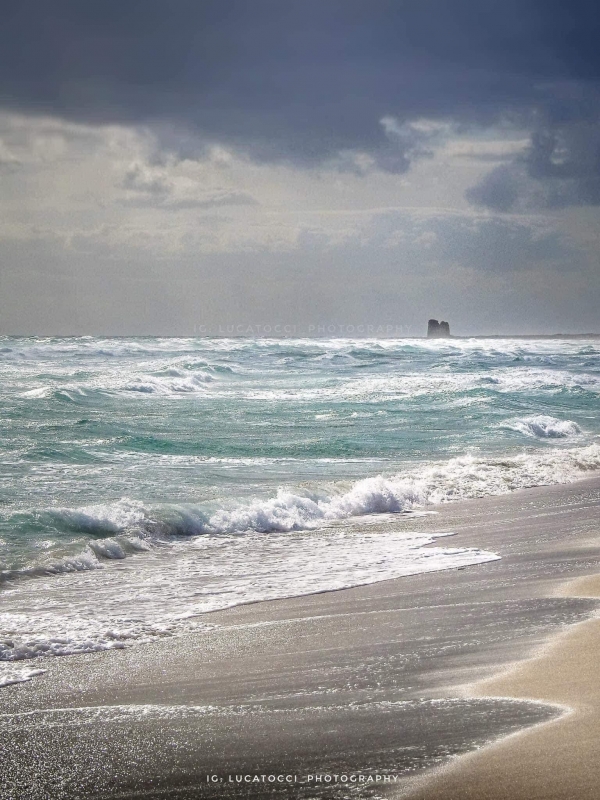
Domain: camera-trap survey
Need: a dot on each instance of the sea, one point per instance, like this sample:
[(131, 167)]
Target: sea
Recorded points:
[(148, 481)]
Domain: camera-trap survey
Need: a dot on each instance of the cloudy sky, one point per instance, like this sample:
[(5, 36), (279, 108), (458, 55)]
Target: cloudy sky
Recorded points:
[(189, 165)]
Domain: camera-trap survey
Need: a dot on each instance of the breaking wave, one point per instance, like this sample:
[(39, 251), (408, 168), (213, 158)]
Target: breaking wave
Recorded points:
[(241, 469), (128, 526), (545, 427), (173, 383)]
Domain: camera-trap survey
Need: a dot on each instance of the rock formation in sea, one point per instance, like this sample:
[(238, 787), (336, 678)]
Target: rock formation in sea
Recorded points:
[(437, 330)]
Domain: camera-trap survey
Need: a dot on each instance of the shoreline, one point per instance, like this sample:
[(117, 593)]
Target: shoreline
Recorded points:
[(555, 759), (365, 679)]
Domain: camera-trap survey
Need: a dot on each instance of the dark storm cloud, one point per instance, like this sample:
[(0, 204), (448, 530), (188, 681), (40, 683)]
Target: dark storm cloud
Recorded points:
[(481, 244), (498, 190), (561, 168), (502, 246), (296, 79)]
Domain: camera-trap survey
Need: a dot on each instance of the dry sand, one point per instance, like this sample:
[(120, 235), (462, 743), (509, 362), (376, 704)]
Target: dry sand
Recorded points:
[(557, 760)]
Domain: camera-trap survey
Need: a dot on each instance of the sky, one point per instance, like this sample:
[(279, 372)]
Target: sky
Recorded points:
[(299, 167)]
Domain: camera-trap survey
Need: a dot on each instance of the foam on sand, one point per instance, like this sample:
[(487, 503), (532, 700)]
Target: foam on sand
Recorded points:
[(164, 593)]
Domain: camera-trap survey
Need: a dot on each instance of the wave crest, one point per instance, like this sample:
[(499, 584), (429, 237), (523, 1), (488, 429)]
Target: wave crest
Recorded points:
[(460, 478), (542, 426), (176, 382)]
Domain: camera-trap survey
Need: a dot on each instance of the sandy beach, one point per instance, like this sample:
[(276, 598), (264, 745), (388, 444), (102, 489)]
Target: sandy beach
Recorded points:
[(377, 685), (553, 761)]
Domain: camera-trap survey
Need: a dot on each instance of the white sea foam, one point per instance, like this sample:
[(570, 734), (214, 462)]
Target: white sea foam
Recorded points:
[(126, 514), (165, 593), (173, 384), (543, 426), (403, 385), (162, 368), (107, 548), (40, 392), (79, 562), (460, 478), (11, 675), (263, 498), (264, 549)]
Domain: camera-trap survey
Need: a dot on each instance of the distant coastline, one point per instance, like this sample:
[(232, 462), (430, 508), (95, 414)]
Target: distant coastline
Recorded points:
[(298, 335), (529, 336)]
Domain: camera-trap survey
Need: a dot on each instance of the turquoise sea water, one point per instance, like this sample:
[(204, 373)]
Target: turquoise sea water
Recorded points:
[(189, 474)]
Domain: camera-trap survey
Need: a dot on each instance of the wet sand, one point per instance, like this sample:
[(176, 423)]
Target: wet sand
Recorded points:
[(366, 682), (553, 761)]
